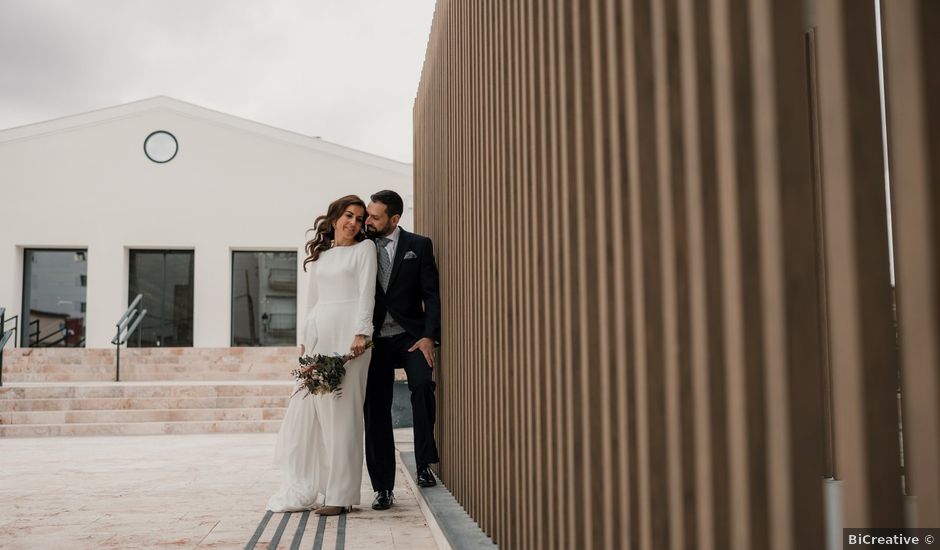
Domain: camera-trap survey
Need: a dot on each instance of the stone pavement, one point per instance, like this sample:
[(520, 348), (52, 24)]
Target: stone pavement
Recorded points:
[(174, 491)]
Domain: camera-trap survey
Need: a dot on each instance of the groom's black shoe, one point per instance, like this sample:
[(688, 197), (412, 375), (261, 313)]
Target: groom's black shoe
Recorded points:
[(425, 477), (383, 500)]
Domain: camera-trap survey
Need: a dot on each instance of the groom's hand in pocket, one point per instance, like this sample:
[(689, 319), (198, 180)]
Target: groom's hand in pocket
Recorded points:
[(426, 345)]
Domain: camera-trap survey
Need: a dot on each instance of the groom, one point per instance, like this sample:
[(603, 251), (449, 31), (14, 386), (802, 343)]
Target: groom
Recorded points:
[(407, 321)]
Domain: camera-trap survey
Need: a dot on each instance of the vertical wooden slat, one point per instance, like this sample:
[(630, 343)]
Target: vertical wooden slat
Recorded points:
[(514, 263), (566, 83), (912, 67), (557, 334), (738, 510), (580, 194), (618, 270), (505, 455), (669, 175), (788, 277), (541, 298), (641, 522), (601, 398), (863, 360), (532, 357), (692, 90)]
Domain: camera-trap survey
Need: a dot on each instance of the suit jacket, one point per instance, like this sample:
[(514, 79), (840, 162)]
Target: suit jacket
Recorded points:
[(413, 297)]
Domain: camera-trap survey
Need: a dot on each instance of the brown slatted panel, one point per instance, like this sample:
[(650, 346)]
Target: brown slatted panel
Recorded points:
[(622, 200), (913, 85)]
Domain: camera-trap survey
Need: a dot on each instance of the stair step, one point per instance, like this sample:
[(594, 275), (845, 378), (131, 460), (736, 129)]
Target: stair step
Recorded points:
[(71, 392), (230, 362), (149, 377), (140, 415), (144, 390), (144, 403), (140, 428), (79, 364)]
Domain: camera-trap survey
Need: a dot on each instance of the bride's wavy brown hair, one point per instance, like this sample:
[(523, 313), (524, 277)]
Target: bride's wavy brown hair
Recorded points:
[(323, 226)]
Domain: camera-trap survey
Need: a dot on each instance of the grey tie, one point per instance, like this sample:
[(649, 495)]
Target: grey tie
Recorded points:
[(385, 264)]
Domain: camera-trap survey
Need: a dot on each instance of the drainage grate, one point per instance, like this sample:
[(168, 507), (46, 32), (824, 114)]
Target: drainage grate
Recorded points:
[(298, 536)]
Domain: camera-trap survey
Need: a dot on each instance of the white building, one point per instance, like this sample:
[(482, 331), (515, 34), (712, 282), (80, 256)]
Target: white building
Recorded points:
[(213, 237)]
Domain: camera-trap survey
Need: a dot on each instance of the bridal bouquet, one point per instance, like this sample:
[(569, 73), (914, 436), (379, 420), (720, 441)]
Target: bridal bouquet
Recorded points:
[(320, 374)]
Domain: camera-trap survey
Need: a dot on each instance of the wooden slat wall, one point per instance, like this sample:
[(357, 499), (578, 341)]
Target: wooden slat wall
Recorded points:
[(621, 198)]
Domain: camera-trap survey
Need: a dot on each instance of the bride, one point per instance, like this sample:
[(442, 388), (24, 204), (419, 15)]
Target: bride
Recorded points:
[(319, 445)]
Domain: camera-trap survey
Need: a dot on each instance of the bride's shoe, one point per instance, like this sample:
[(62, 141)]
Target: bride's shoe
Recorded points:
[(332, 510)]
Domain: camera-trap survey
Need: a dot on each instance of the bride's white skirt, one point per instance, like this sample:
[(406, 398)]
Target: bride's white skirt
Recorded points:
[(320, 446)]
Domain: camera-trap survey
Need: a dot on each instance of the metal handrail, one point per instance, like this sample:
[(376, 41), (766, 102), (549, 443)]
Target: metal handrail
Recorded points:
[(16, 325), (3, 341), (4, 336), (36, 334), (126, 326), (131, 309), (51, 334)]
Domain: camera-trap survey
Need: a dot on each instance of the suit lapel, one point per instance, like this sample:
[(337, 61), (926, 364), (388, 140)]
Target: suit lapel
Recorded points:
[(404, 239)]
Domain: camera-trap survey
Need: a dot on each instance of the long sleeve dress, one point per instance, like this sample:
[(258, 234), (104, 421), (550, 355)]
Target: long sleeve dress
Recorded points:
[(320, 444)]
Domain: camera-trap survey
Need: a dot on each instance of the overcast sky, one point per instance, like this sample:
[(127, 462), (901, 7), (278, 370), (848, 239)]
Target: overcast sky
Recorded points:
[(344, 70)]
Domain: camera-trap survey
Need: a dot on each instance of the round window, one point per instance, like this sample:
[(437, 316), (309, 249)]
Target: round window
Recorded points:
[(161, 146)]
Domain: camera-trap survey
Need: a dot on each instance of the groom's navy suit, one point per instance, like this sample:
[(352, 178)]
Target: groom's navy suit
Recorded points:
[(411, 303)]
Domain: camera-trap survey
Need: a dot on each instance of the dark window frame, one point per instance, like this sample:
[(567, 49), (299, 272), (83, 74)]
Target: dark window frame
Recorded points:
[(26, 290), (191, 252), (232, 287)]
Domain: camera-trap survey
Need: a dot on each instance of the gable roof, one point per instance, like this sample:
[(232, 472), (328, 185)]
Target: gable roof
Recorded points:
[(183, 108)]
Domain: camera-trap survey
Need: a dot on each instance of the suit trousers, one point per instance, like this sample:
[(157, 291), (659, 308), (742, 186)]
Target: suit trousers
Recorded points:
[(387, 355)]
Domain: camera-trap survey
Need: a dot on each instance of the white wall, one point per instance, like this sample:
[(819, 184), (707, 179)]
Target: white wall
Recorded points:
[(84, 182)]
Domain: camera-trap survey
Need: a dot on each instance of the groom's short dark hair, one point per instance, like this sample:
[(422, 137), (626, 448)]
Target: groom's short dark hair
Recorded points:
[(392, 201)]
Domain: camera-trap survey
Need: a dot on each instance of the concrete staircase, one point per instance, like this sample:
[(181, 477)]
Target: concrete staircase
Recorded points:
[(49, 392)]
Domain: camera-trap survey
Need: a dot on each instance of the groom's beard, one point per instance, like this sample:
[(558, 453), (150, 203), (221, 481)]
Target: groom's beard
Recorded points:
[(374, 233)]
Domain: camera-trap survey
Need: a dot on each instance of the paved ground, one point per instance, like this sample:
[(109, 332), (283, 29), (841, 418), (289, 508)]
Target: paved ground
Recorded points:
[(173, 491)]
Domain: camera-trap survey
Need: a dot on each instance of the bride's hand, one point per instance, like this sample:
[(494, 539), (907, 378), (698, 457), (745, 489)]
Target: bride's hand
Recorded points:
[(358, 346), (302, 350)]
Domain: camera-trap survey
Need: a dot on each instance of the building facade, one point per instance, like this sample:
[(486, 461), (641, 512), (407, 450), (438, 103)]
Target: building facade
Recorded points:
[(201, 213)]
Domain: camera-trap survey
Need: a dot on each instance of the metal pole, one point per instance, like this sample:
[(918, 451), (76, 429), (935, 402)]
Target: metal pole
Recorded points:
[(117, 371), (3, 324), (4, 336)]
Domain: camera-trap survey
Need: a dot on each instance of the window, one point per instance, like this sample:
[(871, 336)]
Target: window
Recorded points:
[(165, 279), (54, 287), (161, 146), (264, 298)]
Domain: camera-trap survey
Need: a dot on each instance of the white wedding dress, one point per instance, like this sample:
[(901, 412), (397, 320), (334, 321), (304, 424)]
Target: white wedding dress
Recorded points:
[(320, 444)]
